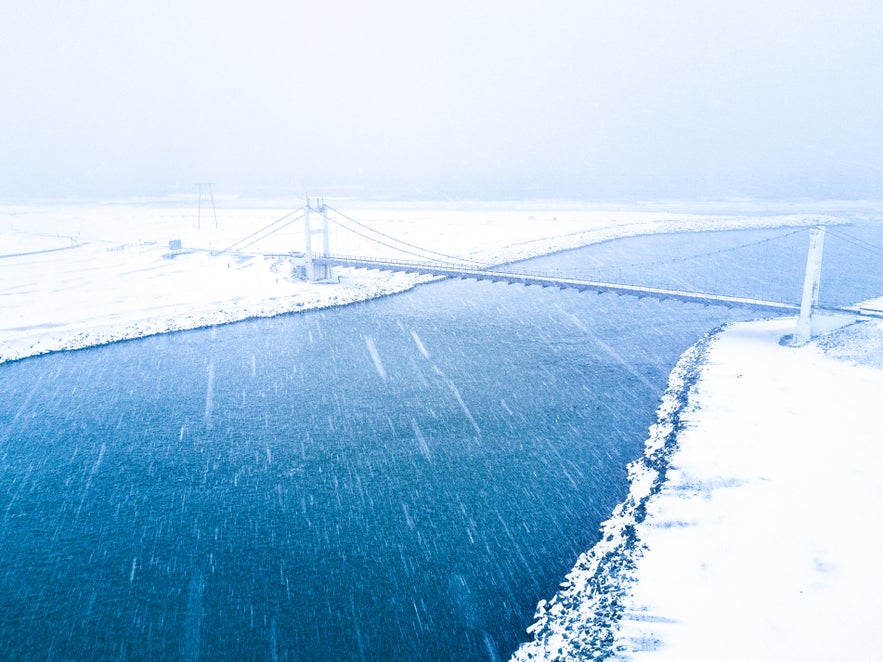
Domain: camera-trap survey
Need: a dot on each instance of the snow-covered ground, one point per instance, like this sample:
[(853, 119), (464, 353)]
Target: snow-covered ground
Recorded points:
[(81, 275), (751, 531)]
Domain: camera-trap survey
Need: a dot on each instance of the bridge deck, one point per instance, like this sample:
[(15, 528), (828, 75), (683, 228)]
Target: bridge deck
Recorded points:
[(456, 271), (467, 272)]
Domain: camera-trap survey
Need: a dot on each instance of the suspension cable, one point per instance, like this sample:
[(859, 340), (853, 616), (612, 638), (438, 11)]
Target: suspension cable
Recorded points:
[(677, 260), (856, 241), (719, 251), (399, 241), (269, 225), (386, 245), (274, 231)]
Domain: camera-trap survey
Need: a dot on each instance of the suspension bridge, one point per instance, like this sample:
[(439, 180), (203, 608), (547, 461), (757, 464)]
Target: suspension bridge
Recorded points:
[(401, 256)]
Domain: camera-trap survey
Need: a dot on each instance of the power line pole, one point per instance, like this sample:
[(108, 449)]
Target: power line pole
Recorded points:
[(199, 204)]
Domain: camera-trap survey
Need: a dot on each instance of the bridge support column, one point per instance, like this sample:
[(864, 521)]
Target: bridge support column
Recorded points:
[(810, 299), (316, 272), (308, 244), (327, 269)]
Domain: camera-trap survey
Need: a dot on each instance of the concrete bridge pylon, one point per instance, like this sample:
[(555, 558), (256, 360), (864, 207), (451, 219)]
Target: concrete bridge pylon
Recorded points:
[(316, 271), (810, 299), (812, 320)]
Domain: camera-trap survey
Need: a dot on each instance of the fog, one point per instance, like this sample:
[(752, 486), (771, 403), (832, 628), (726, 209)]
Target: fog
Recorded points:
[(477, 99)]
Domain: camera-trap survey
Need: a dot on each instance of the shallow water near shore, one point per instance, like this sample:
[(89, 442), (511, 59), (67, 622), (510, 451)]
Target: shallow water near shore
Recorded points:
[(400, 479)]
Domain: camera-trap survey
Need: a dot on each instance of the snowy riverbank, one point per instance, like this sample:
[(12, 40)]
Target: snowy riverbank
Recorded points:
[(680, 566), (749, 531), (78, 276)]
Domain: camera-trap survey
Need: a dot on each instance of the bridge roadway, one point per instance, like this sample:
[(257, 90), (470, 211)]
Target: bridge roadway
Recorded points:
[(494, 275)]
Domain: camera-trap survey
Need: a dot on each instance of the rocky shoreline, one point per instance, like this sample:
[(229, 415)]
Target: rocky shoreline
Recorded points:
[(578, 622)]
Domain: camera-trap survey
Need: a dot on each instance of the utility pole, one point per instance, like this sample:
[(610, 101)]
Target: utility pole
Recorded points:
[(199, 204), (810, 299)]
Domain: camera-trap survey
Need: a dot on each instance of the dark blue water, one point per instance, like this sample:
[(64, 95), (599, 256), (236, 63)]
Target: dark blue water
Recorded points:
[(401, 479)]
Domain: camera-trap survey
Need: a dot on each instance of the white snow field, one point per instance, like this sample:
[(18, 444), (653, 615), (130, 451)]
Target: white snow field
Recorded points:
[(752, 527), (82, 275), (762, 540)]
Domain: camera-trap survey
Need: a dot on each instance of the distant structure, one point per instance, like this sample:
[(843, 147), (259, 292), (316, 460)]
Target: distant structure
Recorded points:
[(199, 205), (175, 248)]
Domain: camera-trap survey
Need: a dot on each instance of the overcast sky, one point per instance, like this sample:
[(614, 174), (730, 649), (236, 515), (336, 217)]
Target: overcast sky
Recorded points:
[(613, 100)]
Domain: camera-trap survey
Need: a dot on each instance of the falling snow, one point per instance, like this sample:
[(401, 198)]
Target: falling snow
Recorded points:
[(250, 491)]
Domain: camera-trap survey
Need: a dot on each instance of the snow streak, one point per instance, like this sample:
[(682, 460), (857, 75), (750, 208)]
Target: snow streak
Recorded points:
[(378, 364), (419, 344), (210, 394)]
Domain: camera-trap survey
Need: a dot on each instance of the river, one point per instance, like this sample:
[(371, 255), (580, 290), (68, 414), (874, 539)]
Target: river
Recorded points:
[(401, 479)]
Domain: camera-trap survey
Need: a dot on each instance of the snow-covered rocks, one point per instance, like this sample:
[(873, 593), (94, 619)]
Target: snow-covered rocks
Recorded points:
[(761, 543)]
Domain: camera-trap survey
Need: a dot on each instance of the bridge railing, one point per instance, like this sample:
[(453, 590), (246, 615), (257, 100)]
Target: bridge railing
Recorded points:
[(344, 260), (546, 280)]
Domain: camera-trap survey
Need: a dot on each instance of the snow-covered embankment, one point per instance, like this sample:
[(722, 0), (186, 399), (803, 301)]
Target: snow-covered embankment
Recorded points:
[(750, 531)]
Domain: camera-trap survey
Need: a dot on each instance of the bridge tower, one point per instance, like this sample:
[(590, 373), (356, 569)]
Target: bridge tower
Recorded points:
[(316, 272), (810, 299)]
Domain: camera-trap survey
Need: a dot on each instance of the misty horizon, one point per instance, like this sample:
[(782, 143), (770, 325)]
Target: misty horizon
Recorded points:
[(483, 101)]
